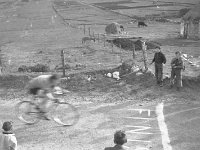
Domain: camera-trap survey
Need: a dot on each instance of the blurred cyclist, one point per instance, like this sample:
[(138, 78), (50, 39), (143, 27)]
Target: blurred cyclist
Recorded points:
[(43, 86)]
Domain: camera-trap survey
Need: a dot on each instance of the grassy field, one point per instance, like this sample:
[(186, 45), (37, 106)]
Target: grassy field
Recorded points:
[(33, 32)]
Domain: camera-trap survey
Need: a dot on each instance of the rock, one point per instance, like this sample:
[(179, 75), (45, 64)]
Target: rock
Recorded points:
[(58, 90), (189, 62), (185, 55), (135, 69), (184, 58), (139, 73), (116, 75), (166, 76), (149, 71), (109, 75)]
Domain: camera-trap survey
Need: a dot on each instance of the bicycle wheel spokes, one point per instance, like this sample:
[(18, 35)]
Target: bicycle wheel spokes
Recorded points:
[(26, 112), (65, 114)]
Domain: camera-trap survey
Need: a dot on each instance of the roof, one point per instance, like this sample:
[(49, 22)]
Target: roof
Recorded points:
[(193, 14)]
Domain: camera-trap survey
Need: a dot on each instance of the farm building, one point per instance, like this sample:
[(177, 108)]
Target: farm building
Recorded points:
[(190, 24)]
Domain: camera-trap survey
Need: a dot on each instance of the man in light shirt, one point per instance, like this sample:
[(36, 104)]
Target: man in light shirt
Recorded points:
[(8, 140)]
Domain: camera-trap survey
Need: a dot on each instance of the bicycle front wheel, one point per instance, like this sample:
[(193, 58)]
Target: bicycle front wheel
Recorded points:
[(65, 114), (26, 112)]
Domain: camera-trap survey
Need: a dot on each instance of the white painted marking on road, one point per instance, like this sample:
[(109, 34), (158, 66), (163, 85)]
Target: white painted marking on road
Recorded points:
[(140, 118), (140, 109), (182, 111), (141, 148), (130, 140), (192, 119), (147, 133), (149, 112), (163, 127), (139, 128)]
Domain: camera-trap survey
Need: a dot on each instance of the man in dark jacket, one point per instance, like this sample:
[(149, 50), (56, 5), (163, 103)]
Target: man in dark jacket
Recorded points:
[(159, 59), (177, 67)]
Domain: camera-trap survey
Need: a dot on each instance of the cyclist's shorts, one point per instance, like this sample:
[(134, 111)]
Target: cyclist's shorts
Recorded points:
[(34, 91)]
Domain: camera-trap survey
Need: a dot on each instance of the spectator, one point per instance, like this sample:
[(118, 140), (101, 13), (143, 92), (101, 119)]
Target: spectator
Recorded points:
[(8, 140), (176, 73), (159, 59), (119, 139)]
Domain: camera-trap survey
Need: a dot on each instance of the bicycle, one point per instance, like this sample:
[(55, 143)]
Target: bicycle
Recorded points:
[(60, 111)]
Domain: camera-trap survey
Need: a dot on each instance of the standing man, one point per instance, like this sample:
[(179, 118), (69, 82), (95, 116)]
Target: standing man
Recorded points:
[(177, 66), (159, 59)]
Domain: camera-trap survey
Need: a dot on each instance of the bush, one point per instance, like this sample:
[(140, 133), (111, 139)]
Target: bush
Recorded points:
[(182, 12), (23, 68), (40, 68), (128, 43), (36, 68), (161, 20)]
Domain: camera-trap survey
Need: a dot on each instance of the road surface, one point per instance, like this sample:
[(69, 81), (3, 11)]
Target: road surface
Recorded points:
[(158, 126)]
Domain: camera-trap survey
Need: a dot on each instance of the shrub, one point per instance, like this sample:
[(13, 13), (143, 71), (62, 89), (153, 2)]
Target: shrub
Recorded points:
[(36, 68), (183, 11)]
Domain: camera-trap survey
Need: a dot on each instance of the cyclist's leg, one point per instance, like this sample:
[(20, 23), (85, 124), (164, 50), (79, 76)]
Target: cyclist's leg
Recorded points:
[(47, 101), (43, 100), (32, 96)]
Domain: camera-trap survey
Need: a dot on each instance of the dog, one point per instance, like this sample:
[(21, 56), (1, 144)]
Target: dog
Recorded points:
[(142, 23), (84, 39)]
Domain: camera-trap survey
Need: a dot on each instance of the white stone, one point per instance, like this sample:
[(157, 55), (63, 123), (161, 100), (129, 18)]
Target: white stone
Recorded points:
[(185, 55), (116, 75), (58, 90), (139, 73), (109, 75), (135, 69)]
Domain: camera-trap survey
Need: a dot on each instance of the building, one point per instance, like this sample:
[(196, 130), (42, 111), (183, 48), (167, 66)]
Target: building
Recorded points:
[(190, 24)]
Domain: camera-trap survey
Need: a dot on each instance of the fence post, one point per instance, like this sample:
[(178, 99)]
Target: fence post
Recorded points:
[(104, 40), (84, 29), (89, 30), (93, 34), (98, 37), (133, 51), (144, 48), (1, 63), (112, 45), (63, 62)]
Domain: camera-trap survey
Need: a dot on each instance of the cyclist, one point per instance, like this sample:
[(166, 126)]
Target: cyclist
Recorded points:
[(43, 86)]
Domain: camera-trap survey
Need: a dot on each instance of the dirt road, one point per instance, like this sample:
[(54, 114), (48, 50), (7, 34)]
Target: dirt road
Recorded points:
[(98, 122)]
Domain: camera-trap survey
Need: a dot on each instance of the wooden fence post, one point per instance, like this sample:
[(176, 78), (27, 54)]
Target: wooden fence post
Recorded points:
[(133, 51), (84, 29), (112, 45), (144, 48), (104, 40), (63, 62), (98, 37), (89, 31), (93, 34)]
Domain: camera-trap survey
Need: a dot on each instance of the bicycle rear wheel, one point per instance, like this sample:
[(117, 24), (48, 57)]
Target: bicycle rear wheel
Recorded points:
[(26, 112), (65, 114)]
